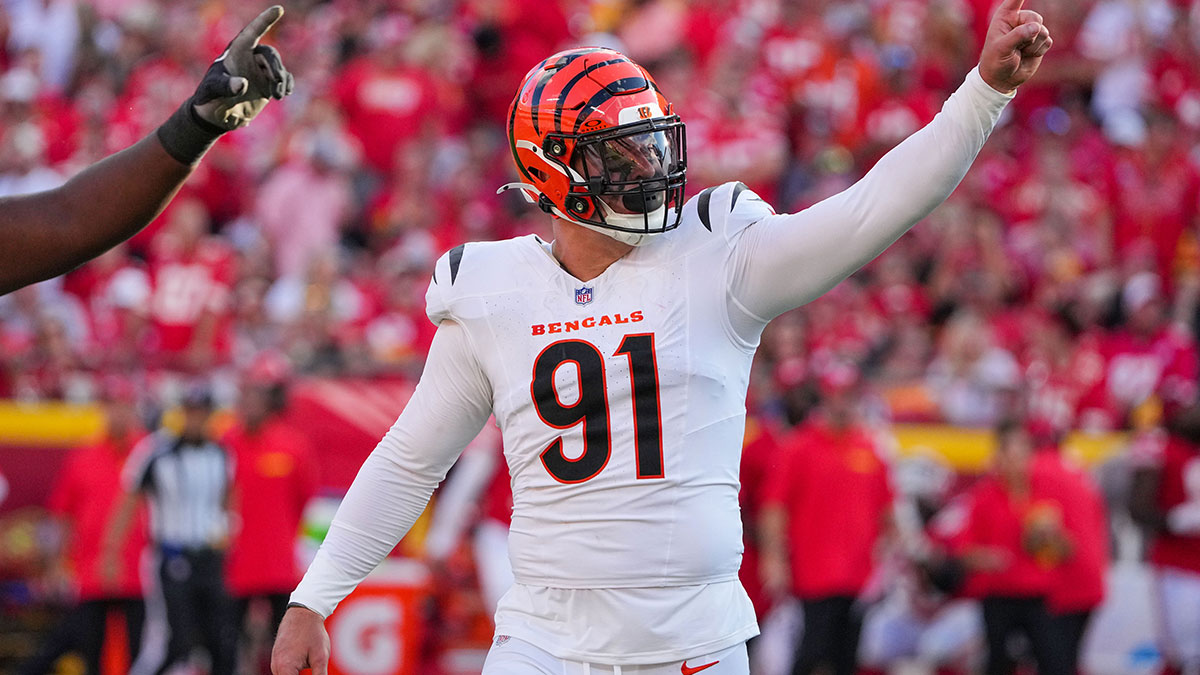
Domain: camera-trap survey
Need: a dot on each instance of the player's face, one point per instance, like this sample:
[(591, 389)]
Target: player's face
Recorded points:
[(624, 161)]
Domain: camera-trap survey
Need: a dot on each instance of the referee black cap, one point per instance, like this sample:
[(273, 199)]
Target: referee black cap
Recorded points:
[(197, 395)]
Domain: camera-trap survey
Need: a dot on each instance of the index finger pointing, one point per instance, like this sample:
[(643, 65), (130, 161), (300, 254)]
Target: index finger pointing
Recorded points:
[(1010, 5), (256, 29)]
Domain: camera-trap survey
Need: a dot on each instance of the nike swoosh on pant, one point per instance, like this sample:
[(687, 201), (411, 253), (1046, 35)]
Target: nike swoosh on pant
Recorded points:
[(692, 670)]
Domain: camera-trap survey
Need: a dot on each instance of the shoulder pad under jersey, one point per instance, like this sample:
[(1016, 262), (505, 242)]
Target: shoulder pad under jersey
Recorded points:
[(439, 297), (469, 270), (726, 209)]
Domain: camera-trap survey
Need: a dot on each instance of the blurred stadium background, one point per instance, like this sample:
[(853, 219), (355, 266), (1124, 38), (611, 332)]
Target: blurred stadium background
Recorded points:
[(1061, 281)]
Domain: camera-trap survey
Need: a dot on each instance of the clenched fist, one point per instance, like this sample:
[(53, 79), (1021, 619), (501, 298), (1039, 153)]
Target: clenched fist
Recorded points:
[(300, 643)]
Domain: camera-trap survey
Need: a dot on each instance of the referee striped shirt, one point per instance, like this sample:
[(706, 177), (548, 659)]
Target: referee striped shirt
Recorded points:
[(187, 485)]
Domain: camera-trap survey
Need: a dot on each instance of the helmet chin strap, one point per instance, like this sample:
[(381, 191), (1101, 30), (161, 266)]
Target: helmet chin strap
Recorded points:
[(628, 220), (624, 237)]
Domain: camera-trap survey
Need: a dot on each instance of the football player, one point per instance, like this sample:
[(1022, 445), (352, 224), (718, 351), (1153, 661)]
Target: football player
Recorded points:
[(48, 233), (616, 360)]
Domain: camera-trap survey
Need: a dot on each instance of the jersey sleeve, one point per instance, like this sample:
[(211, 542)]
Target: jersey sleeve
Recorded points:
[(439, 299), (784, 261), (448, 408)]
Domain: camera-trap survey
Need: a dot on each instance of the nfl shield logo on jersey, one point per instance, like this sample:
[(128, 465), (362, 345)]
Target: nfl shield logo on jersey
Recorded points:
[(583, 295)]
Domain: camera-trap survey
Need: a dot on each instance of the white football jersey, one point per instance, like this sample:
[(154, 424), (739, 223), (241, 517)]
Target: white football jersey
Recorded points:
[(621, 399), (622, 403)]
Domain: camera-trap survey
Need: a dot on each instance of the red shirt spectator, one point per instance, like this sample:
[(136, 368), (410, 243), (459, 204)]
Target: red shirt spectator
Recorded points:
[(191, 277), (1153, 192), (1139, 366), (387, 104), (998, 522), (116, 292), (86, 494), (274, 479), (834, 489), (760, 452), (1059, 371), (1079, 581)]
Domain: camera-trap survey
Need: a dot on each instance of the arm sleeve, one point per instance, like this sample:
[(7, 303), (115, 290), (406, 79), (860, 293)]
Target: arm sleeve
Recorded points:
[(448, 408), (784, 261)]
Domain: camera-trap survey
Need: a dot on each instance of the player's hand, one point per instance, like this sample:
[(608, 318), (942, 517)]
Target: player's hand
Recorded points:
[(240, 82), (300, 643), (1013, 49)]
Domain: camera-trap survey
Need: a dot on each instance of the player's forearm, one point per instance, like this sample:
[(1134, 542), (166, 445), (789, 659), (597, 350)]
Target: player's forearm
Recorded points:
[(447, 409), (387, 497), (377, 512), (787, 260), (46, 234)]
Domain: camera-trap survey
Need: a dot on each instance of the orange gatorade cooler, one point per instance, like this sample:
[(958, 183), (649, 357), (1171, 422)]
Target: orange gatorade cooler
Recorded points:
[(377, 629)]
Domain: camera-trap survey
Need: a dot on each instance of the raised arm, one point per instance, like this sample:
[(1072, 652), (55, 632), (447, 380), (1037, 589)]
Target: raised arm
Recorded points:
[(784, 261), (448, 408), (48, 233)]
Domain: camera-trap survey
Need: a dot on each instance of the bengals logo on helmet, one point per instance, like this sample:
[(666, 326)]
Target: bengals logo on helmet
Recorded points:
[(573, 115)]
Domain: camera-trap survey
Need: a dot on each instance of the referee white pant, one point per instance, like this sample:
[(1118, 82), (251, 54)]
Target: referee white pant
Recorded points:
[(513, 656)]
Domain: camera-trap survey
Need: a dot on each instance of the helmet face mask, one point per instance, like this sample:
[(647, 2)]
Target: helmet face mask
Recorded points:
[(633, 177), (589, 132)]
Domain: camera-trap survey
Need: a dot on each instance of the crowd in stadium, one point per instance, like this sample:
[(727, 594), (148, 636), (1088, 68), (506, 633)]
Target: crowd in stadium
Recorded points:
[(1070, 251), (1061, 281), (314, 232)]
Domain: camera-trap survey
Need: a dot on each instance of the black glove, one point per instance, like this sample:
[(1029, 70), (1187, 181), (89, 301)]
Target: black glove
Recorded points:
[(238, 84), (235, 89)]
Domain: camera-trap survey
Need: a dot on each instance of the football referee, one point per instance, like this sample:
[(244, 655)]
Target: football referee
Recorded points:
[(48, 233), (186, 479)]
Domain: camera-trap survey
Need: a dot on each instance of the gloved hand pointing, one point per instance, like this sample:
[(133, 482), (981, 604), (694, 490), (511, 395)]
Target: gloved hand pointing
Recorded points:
[(235, 89), (240, 82)]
